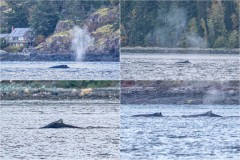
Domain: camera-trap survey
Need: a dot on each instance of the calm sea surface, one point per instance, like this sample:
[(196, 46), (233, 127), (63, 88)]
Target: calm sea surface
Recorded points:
[(142, 66), (21, 138), (174, 137), (77, 71)]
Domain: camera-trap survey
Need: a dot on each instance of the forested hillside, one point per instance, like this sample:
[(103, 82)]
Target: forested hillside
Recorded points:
[(43, 16), (204, 24)]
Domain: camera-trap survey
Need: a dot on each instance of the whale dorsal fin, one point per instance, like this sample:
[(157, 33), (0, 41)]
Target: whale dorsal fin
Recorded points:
[(209, 112), (59, 121)]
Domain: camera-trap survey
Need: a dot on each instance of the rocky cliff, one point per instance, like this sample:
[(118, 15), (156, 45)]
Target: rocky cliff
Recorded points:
[(103, 26)]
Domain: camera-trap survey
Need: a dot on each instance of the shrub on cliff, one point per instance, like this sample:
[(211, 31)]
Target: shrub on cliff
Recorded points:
[(39, 39), (14, 49)]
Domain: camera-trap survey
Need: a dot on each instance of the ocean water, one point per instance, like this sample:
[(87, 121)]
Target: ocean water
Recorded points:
[(175, 137), (143, 66), (24, 70), (21, 138)]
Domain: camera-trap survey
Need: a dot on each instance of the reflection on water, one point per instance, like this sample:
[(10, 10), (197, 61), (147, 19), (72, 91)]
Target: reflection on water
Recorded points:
[(21, 138), (175, 137), (143, 66), (77, 71)]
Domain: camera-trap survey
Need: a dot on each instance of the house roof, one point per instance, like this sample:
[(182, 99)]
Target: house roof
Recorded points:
[(19, 32), (3, 35)]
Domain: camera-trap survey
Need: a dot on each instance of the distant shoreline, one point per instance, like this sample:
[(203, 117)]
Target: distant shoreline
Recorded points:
[(71, 101), (109, 94), (159, 50), (56, 57), (180, 92)]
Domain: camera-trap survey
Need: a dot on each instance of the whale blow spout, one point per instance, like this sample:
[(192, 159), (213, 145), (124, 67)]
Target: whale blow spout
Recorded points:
[(149, 115), (60, 66), (59, 124), (207, 114), (81, 41)]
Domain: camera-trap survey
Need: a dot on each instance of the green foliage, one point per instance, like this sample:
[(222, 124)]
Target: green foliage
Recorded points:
[(219, 42), (103, 11), (39, 39), (212, 22), (17, 16), (3, 4), (204, 27), (233, 40), (106, 29), (86, 84), (44, 17), (192, 26), (3, 43), (139, 18), (13, 49)]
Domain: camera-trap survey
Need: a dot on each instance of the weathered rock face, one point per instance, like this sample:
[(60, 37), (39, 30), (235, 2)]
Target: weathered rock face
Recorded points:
[(60, 41), (63, 26), (104, 27), (103, 17)]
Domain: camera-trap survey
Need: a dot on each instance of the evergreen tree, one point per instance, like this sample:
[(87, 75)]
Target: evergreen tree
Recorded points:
[(44, 17), (18, 15), (217, 18), (233, 40)]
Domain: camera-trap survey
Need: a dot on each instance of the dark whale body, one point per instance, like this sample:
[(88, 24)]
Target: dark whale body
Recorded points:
[(60, 66), (149, 115), (59, 124), (207, 114), (182, 62)]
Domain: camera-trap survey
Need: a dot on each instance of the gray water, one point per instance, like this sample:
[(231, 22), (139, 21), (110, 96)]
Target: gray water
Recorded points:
[(24, 70), (21, 138), (142, 66), (175, 137)]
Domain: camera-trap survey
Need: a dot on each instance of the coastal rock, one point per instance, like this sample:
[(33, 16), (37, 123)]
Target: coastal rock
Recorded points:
[(60, 41), (103, 25)]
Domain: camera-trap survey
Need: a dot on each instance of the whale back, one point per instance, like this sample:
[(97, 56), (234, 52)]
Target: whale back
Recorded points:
[(157, 114), (55, 124), (60, 66), (59, 124), (206, 114)]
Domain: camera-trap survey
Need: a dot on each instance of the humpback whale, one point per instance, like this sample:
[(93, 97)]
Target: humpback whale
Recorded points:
[(59, 124), (181, 62), (207, 114), (60, 66), (149, 115)]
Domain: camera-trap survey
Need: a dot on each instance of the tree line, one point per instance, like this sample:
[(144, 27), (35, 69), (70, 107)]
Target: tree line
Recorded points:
[(206, 24), (43, 15)]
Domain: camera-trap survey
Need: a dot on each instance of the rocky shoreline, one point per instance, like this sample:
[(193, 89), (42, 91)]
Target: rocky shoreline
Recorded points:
[(181, 92), (157, 50), (57, 57), (61, 94)]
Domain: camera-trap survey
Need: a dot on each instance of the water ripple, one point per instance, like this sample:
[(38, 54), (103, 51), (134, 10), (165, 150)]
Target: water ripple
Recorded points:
[(175, 137), (77, 71), (165, 67)]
